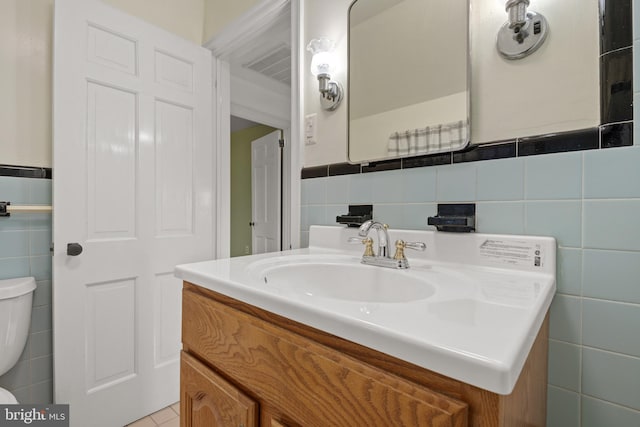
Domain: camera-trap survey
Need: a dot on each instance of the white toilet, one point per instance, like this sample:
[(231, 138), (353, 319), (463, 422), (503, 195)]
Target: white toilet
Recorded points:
[(15, 316)]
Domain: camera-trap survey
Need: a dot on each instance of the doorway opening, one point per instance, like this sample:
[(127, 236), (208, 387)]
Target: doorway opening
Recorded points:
[(256, 187), (257, 79)]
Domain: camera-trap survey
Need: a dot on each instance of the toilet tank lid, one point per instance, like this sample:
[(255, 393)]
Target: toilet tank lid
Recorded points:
[(13, 288)]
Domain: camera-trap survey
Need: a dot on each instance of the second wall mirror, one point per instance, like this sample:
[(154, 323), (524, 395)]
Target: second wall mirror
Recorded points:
[(409, 78)]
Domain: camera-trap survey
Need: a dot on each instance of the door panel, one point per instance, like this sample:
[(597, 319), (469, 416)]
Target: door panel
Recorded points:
[(134, 171), (265, 190)]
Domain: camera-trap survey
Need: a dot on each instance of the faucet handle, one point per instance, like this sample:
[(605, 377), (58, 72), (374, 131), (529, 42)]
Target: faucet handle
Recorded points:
[(401, 245), (368, 244), (416, 246)]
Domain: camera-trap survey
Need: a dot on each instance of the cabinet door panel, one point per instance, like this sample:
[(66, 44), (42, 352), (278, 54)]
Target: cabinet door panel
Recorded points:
[(209, 400), (312, 384)]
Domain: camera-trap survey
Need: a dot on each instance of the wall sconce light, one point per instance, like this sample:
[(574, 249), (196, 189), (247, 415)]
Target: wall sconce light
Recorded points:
[(523, 33), (322, 65)]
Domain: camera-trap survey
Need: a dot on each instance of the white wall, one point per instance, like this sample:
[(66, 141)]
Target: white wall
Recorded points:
[(326, 18), (219, 13), (181, 17), (25, 82), (556, 89), (26, 29)]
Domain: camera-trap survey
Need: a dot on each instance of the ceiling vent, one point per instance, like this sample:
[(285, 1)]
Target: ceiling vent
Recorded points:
[(275, 64)]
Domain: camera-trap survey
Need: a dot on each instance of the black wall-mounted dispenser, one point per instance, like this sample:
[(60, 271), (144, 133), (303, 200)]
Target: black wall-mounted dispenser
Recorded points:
[(459, 218), (356, 216)]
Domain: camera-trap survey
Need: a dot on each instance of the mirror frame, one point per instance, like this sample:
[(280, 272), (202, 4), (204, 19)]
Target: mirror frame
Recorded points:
[(468, 144)]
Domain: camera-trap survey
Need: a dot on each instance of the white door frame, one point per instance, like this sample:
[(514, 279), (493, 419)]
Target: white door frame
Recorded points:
[(236, 35)]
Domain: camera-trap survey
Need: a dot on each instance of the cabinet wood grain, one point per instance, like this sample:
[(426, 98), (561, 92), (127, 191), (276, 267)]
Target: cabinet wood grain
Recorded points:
[(206, 399), (301, 376)]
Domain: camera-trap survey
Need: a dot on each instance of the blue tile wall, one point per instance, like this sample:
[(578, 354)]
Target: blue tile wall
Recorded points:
[(24, 251), (590, 202)]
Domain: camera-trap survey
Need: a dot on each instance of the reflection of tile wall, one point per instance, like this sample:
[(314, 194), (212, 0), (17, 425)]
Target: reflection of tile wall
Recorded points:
[(590, 202), (24, 251)]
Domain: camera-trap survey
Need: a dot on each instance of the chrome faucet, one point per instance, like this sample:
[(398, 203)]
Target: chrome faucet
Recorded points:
[(382, 258), (383, 235)]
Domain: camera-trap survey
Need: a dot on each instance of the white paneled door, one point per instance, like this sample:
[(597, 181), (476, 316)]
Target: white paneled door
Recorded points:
[(265, 193), (133, 189)]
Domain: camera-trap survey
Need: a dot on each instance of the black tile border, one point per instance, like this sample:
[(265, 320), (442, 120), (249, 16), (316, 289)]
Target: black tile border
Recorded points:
[(430, 160), (605, 136), (616, 129), (616, 135), (315, 172), (384, 165), (344, 169), (616, 86), (586, 139), (616, 24), (25, 172), (498, 150)]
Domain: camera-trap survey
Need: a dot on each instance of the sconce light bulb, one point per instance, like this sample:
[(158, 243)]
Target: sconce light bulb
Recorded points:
[(322, 63), (323, 60)]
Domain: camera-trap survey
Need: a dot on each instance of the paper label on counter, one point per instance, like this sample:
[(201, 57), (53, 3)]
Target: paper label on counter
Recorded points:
[(512, 252)]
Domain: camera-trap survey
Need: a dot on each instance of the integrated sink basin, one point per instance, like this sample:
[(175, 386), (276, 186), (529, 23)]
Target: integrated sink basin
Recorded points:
[(341, 279), (469, 307)]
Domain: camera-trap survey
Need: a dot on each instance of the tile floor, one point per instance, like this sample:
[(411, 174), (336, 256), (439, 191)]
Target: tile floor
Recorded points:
[(167, 417)]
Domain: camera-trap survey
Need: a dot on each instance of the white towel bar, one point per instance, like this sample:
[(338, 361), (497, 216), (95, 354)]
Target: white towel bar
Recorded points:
[(6, 209)]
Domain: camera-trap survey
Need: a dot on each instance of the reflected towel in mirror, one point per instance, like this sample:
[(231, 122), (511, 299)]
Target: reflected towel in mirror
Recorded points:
[(438, 138)]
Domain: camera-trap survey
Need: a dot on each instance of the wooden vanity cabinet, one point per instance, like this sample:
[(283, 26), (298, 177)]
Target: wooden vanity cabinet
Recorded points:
[(209, 400), (243, 366)]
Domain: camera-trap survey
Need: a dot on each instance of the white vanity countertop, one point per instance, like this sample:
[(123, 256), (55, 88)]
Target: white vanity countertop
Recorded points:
[(490, 296)]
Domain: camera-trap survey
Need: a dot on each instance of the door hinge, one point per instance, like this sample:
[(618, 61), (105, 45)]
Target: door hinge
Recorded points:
[(281, 143)]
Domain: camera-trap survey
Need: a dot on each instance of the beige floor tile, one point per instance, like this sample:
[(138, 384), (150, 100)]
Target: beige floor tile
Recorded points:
[(176, 407), (144, 422), (163, 415), (171, 423)]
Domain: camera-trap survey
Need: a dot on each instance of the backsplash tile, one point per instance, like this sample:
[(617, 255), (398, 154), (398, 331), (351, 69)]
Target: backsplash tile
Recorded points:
[(611, 275), (611, 377), (569, 271), (360, 189), (563, 408), (564, 365), (612, 174), (601, 318), (564, 319), (415, 215), (597, 413), (501, 180), (387, 187), (419, 185), (337, 190), (560, 219), (612, 224), (557, 176), (500, 217), (456, 183)]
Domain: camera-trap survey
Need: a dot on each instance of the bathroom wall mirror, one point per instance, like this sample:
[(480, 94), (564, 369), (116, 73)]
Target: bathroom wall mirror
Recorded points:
[(408, 88)]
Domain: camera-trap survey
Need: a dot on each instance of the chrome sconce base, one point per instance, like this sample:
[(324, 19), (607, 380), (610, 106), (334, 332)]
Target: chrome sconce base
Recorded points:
[(516, 42), (331, 93)]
